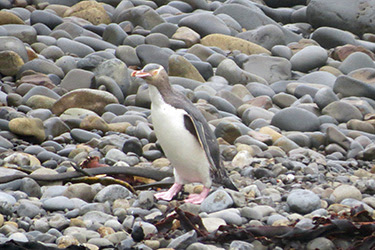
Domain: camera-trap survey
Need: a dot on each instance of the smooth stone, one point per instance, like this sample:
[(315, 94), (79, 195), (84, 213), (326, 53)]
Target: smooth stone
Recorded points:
[(28, 209), (45, 17), (230, 216), (320, 243), (235, 75), (114, 34), (345, 17), (342, 111), (319, 77), (186, 34), (112, 193), (4, 143), (7, 198), (134, 40), (325, 96), (157, 39), (181, 67), (346, 191), (361, 126), (81, 98), (143, 16), (365, 74), (148, 53), (183, 241), (52, 52), (205, 24), (42, 66), (54, 126), (266, 36), (336, 136), (309, 58), (239, 11), (216, 201), (93, 12), (77, 79), (303, 201), (66, 63), (285, 120), (46, 155), (282, 51), (114, 155), (283, 100), (7, 17), (18, 237), (329, 37), (117, 70), (58, 203), (25, 33), (254, 113), (349, 86), (83, 136), (132, 145), (259, 90), (302, 90), (286, 144), (228, 131), (28, 127), (167, 29), (128, 55), (239, 244), (356, 60), (95, 43), (222, 104), (272, 69), (74, 47), (226, 42), (10, 63), (111, 86)]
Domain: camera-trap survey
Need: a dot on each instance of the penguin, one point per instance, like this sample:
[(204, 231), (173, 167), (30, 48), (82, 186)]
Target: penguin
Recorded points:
[(185, 137)]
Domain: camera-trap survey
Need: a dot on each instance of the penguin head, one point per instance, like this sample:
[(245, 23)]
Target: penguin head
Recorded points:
[(153, 74)]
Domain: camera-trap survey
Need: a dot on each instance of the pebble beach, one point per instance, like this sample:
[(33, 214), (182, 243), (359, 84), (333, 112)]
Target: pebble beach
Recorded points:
[(287, 86)]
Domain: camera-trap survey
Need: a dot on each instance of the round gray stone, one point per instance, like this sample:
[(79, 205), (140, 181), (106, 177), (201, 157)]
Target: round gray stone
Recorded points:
[(296, 119)]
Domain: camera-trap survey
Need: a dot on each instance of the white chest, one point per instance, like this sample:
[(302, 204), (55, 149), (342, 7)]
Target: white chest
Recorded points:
[(179, 145)]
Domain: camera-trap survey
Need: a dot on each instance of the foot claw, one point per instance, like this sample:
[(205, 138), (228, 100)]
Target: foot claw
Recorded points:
[(164, 196), (168, 195), (197, 198)]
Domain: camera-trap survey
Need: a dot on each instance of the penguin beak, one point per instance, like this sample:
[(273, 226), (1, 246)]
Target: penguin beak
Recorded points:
[(140, 74)]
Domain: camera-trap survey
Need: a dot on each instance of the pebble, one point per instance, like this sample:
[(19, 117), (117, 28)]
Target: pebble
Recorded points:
[(303, 201), (216, 201), (293, 115)]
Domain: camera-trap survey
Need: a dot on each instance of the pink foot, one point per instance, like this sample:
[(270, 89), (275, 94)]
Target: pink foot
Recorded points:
[(168, 195), (198, 198)]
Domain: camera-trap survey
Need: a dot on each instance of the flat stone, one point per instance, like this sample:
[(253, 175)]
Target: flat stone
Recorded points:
[(235, 75), (91, 11), (181, 67), (342, 111), (356, 60), (205, 24), (112, 193), (82, 98), (28, 127), (226, 42), (216, 201), (286, 120), (346, 191), (272, 69), (309, 58)]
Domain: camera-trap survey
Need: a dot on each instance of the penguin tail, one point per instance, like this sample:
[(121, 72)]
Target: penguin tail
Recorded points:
[(229, 184)]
